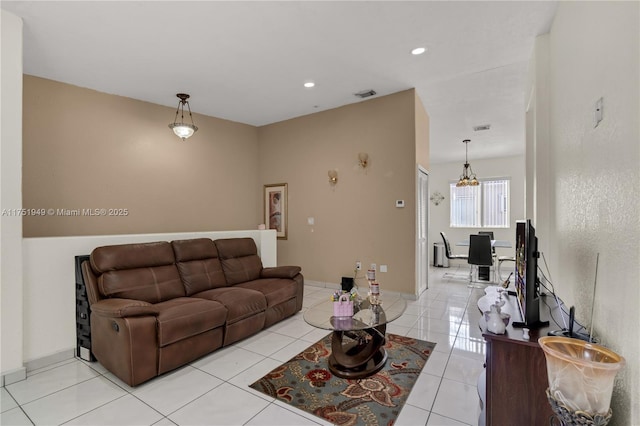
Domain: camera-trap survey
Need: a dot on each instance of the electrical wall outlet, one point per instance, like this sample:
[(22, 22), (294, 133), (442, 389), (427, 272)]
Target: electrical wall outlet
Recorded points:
[(358, 265), (374, 266), (383, 268)]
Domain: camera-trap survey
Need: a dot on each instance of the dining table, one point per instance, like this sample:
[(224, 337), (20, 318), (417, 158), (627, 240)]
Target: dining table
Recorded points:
[(494, 243), (484, 271)]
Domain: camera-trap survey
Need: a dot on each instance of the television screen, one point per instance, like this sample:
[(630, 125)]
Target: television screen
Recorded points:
[(521, 267), (527, 284)]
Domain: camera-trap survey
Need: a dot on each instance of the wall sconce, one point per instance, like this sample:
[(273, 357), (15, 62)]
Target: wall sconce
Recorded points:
[(436, 198), (363, 158), (183, 130), (333, 177)]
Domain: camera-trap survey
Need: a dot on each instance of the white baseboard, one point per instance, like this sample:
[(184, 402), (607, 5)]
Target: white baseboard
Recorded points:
[(47, 360), (321, 284), (362, 290), (13, 376), (19, 374)]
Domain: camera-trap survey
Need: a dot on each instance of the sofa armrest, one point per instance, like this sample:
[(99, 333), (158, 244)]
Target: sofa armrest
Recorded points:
[(120, 308), (280, 272)]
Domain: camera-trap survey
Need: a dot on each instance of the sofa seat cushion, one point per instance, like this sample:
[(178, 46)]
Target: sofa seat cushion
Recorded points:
[(241, 303), (184, 317), (276, 290)]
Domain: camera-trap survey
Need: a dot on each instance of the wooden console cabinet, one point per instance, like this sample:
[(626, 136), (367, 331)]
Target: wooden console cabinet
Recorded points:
[(512, 391)]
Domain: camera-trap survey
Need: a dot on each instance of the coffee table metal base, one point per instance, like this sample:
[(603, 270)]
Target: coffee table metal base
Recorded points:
[(359, 356)]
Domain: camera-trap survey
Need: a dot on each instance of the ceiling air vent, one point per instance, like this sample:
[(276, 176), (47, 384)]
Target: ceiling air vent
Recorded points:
[(482, 127), (365, 93)]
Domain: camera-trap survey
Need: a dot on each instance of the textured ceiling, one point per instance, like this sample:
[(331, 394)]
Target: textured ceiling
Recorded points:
[(247, 61)]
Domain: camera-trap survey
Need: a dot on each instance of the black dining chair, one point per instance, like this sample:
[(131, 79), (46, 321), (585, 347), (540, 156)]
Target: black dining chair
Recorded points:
[(451, 256), (480, 254), (489, 233), (493, 249), (447, 250)]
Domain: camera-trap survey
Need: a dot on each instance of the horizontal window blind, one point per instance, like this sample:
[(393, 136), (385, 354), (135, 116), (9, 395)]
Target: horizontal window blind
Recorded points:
[(465, 206), (483, 206), (496, 203)]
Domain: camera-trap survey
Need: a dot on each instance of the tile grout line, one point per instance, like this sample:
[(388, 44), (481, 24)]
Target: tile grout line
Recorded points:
[(447, 364)]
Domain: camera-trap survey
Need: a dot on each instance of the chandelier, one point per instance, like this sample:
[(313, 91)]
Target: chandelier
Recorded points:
[(182, 129), (467, 178)]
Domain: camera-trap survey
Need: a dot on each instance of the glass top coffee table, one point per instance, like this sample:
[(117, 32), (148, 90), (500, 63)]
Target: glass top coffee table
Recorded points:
[(357, 343)]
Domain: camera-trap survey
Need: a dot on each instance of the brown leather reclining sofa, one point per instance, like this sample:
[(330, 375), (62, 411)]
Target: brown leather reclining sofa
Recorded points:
[(157, 306)]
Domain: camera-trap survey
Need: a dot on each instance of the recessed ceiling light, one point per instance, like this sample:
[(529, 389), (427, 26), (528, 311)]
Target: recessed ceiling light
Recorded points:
[(309, 84), (418, 50)]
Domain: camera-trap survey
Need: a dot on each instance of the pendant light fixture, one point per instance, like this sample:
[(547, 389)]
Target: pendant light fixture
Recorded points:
[(183, 130), (467, 178)]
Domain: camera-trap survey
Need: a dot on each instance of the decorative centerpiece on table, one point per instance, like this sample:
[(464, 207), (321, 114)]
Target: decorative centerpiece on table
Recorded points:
[(343, 303)]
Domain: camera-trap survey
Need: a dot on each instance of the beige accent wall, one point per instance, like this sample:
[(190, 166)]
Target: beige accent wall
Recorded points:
[(356, 219), (89, 150), (422, 134)]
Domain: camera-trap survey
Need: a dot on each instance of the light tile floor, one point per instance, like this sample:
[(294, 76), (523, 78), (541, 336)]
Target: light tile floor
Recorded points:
[(214, 389)]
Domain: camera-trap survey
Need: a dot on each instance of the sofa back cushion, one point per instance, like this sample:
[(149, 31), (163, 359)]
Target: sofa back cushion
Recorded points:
[(198, 265), (145, 271), (240, 260)]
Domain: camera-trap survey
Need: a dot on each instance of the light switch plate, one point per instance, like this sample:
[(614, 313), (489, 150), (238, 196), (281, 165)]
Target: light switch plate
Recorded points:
[(599, 112)]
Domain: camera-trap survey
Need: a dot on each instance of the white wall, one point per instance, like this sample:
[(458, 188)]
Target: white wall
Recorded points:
[(49, 282), (539, 179), (594, 51), (11, 368), (442, 174)]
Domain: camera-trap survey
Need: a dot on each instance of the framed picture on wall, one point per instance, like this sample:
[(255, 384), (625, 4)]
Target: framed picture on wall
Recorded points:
[(275, 208)]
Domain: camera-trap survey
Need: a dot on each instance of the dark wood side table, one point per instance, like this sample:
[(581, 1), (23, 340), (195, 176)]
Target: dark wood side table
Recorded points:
[(515, 377)]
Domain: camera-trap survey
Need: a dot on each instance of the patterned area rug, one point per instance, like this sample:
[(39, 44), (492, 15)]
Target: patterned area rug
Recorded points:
[(306, 383)]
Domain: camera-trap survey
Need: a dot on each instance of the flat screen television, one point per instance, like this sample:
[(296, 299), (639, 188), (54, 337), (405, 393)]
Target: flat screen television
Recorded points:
[(526, 272)]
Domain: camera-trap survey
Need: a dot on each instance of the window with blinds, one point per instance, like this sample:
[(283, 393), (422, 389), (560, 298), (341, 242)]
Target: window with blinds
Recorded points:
[(465, 206), (482, 206)]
